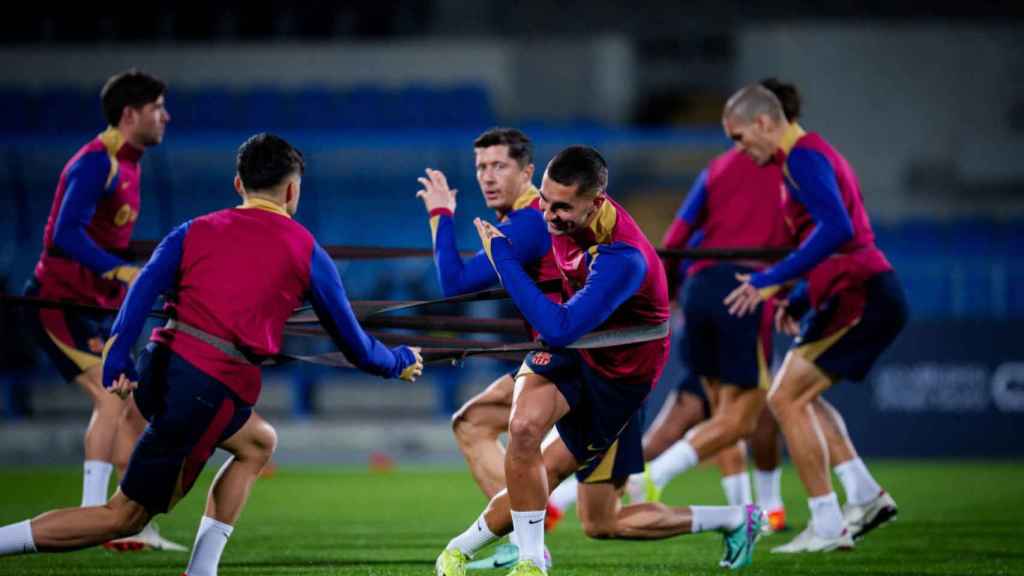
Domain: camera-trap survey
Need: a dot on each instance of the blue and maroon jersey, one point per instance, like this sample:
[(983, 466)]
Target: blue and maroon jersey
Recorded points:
[(612, 278), (824, 211), (238, 274), (94, 211), (735, 203), (524, 226)]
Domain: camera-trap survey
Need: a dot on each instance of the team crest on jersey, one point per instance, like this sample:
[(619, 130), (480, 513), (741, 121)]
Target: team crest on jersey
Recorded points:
[(541, 358), (124, 215)]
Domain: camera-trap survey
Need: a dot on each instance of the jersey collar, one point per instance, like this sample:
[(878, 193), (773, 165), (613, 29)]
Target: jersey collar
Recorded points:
[(263, 204)]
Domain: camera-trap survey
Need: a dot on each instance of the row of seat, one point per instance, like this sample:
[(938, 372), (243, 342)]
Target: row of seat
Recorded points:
[(58, 110)]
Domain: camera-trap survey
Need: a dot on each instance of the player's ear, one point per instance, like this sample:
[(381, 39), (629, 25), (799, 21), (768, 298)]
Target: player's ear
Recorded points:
[(528, 172), (599, 200), (238, 186)]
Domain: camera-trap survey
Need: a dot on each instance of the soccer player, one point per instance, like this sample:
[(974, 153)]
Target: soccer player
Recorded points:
[(734, 203), (235, 277), (504, 172), (613, 280), (857, 308), (92, 217)]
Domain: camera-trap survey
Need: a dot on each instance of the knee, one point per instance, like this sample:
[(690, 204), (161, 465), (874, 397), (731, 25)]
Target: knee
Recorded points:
[(129, 518), (780, 404), (525, 432), (264, 442), (599, 530), (466, 426)]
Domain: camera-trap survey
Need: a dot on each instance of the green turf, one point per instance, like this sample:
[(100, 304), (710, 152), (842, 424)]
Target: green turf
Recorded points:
[(955, 518)]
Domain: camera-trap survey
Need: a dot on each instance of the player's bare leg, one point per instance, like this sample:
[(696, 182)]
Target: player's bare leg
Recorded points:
[(867, 505), (74, 528), (680, 412), (797, 385), (99, 436), (251, 448), (477, 427), (734, 417), (767, 455)]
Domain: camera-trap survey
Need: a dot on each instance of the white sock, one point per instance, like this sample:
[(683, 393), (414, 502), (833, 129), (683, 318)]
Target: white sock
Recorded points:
[(720, 518), (529, 525), (95, 482), (475, 537), (769, 488), (16, 539), (860, 486), (513, 539), (565, 494), (737, 489), (211, 538), (826, 516), (679, 458)]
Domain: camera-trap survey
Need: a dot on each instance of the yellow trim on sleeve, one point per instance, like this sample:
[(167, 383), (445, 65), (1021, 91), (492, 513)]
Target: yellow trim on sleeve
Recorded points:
[(434, 222), (83, 360)]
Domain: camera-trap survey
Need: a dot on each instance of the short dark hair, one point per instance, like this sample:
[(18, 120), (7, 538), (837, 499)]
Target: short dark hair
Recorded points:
[(788, 96), (265, 161), (130, 88), (580, 166), (520, 148)]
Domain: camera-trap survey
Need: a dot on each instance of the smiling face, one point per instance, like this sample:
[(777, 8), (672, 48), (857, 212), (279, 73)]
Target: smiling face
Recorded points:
[(565, 211), (758, 138), (500, 177)]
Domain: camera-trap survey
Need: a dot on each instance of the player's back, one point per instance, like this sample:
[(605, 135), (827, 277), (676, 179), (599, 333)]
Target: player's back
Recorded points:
[(242, 273)]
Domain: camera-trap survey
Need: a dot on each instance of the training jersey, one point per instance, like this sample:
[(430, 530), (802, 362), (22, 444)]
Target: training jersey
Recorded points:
[(94, 211), (238, 274), (824, 211), (736, 204), (611, 278)]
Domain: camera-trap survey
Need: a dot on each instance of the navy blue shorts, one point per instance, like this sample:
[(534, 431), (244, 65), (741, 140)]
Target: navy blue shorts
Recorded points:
[(720, 347), (690, 383), (189, 414), (848, 349), (604, 427), (72, 339)]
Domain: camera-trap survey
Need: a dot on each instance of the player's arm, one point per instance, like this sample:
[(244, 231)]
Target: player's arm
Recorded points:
[(156, 277), (819, 192), (327, 295), (530, 242), (689, 216), (615, 274), (85, 186)]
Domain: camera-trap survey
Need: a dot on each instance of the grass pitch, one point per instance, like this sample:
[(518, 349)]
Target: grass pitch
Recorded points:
[(955, 518)]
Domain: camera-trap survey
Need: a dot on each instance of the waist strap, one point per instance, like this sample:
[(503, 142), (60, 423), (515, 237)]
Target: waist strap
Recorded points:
[(215, 341)]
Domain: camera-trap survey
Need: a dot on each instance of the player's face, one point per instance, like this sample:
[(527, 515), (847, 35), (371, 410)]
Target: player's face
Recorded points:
[(150, 122), (564, 211), (752, 138), (500, 177)]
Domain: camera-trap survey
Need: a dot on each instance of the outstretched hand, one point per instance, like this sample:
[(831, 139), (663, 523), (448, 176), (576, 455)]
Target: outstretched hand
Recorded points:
[(415, 369), (487, 233), (435, 192)]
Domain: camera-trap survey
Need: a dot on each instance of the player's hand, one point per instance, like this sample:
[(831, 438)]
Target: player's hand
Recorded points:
[(744, 298), (487, 232), (785, 323), (414, 370), (122, 387), (125, 273), (435, 192)]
